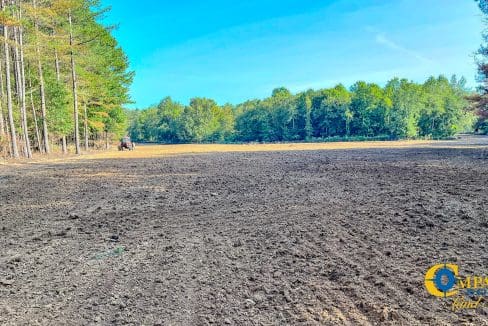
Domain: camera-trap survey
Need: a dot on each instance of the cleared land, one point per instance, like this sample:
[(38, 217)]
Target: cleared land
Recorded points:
[(242, 234)]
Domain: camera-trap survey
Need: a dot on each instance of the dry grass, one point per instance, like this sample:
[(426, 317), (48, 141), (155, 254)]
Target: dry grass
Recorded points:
[(152, 151)]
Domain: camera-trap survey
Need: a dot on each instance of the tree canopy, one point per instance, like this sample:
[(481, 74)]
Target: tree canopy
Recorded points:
[(401, 109), (63, 75)]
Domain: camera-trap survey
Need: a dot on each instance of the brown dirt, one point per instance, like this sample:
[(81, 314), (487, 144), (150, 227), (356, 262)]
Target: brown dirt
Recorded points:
[(261, 236)]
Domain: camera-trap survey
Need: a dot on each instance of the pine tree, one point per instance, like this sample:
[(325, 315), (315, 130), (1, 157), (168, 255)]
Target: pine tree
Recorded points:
[(52, 49), (7, 24), (480, 100)]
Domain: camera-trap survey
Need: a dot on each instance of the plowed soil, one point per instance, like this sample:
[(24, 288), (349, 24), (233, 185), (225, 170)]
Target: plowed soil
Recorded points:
[(243, 235)]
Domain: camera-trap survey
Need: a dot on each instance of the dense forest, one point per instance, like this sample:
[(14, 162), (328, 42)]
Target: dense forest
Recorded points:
[(63, 77), (402, 109)]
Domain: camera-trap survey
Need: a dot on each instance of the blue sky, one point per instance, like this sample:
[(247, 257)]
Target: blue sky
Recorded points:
[(232, 51)]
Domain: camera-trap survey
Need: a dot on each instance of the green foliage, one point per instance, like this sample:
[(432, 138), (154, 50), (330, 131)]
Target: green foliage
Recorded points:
[(303, 125), (104, 78), (282, 112), (170, 122), (60, 114), (225, 124), (370, 108), (254, 124), (168, 119), (144, 125), (402, 109), (479, 101), (201, 120), (407, 103), (444, 112), (116, 121), (101, 67), (330, 115)]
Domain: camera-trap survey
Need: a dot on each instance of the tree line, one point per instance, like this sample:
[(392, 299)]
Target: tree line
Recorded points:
[(63, 77), (401, 109), (480, 98)]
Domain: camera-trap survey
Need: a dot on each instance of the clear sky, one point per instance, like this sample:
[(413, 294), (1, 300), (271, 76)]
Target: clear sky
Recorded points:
[(232, 51)]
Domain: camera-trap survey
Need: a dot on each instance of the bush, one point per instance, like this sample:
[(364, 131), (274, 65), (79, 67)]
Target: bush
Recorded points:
[(481, 127)]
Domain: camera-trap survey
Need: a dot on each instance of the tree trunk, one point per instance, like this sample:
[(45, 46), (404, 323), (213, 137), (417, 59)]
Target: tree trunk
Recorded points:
[(75, 93), (36, 126), (13, 134), (85, 125), (107, 143), (2, 121), (34, 116), (19, 53), (3, 101), (64, 145), (15, 63), (45, 132), (56, 65)]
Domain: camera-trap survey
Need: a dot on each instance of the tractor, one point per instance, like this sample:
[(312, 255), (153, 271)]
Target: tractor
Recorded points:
[(126, 143)]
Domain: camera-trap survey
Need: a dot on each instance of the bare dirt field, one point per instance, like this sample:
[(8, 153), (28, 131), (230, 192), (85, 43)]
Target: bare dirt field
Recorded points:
[(289, 234)]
